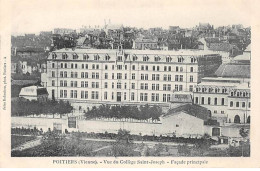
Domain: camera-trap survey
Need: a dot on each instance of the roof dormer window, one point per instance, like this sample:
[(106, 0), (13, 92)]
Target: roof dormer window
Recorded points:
[(64, 56), (85, 56), (75, 56), (54, 55), (145, 58)]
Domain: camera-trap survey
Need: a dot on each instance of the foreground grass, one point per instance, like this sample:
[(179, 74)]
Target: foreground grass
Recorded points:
[(17, 140)]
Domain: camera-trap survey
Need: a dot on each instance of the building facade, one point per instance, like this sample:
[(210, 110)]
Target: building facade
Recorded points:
[(227, 95), (96, 76)]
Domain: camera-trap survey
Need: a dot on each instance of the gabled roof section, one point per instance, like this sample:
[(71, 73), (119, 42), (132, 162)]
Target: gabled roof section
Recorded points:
[(191, 109)]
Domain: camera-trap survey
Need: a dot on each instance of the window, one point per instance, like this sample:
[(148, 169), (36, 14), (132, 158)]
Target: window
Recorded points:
[(145, 97), (61, 93), (75, 56), (119, 67), (146, 86), (105, 85), (180, 87), (157, 87), (53, 65), (142, 76), (93, 75), (119, 76), (113, 67), (82, 66), (53, 73), (216, 101), (72, 65), (169, 77), (191, 78), (113, 76), (133, 76), (82, 74), (177, 68), (106, 75), (168, 97), (112, 96), (133, 85), (142, 86), (85, 56), (86, 74), (181, 69), (157, 77), (119, 58), (165, 68), (142, 67), (164, 77), (168, 59), (146, 67), (86, 66), (181, 78), (153, 76), (196, 100), (164, 87), (75, 94), (231, 103), (153, 68), (209, 100), (132, 96), (96, 57), (153, 97), (222, 101), (125, 85), (118, 85), (191, 88), (97, 75), (53, 83), (97, 66), (176, 77), (93, 66), (64, 55), (133, 67), (65, 65), (113, 85), (158, 68), (243, 104), (125, 75), (105, 67), (169, 68), (153, 86), (202, 100), (145, 58), (169, 87), (176, 88), (141, 97), (61, 74), (191, 69), (237, 104), (164, 97), (125, 67), (157, 97), (105, 95), (249, 104), (82, 84)]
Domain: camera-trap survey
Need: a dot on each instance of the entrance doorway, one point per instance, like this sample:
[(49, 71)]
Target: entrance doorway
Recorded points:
[(237, 119), (118, 97)]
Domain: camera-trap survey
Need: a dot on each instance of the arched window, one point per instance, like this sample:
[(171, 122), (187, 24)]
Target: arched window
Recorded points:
[(237, 119), (248, 119)]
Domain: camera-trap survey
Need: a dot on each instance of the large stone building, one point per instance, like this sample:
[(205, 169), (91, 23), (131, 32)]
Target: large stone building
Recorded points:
[(227, 94), (96, 76)]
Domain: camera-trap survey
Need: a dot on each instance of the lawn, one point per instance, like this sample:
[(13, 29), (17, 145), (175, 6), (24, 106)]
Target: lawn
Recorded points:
[(17, 140)]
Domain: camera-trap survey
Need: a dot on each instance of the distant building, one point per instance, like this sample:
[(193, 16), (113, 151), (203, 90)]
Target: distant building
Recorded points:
[(34, 93), (145, 43), (63, 31)]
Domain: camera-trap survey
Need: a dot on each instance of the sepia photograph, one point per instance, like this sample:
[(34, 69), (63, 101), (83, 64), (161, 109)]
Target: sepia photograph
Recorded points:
[(108, 79)]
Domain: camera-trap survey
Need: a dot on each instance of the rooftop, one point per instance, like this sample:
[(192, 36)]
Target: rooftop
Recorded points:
[(233, 70), (134, 51), (191, 109)]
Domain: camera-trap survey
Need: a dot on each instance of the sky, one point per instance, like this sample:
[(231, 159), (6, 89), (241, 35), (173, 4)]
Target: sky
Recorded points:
[(33, 16)]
